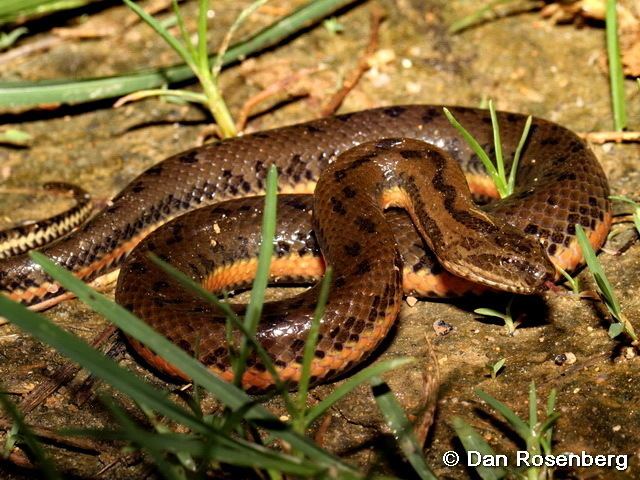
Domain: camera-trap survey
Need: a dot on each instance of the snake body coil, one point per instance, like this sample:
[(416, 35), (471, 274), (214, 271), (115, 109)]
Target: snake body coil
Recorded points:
[(559, 184)]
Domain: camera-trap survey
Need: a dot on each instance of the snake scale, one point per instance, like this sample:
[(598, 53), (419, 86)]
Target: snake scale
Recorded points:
[(362, 163)]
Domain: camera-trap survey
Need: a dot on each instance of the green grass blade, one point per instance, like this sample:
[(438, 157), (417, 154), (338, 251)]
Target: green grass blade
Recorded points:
[(616, 76), (186, 39), (479, 151), (11, 10), (163, 32), (598, 273), (24, 94), (256, 301), (511, 184), (497, 142), (475, 17), (34, 449), (244, 15), (521, 428), (123, 380), (400, 427), (351, 383), (473, 441), (202, 58)]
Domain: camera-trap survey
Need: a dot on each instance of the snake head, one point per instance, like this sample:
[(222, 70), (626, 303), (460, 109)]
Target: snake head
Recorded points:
[(519, 265), (508, 261)]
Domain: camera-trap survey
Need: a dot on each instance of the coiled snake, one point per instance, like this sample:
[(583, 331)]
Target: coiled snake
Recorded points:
[(511, 244)]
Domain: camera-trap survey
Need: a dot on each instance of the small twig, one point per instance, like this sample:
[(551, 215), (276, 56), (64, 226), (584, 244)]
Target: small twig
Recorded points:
[(377, 15), (318, 438), (53, 436), (32, 47), (270, 91), (63, 375), (604, 137)]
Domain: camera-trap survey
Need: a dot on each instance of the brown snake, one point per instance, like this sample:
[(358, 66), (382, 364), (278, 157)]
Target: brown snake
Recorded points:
[(502, 245)]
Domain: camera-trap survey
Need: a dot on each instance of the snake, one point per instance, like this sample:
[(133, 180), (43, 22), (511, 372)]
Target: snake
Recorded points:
[(384, 196), (22, 238)]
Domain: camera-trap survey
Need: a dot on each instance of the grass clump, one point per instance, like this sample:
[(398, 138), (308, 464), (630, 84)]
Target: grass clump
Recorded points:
[(536, 434)]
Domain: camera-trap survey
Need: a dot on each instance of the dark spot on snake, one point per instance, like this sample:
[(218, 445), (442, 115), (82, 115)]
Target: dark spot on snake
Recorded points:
[(189, 157), (585, 221), (512, 117), (337, 206), (567, 176), (363, 267), (349, 322), (593, 201), (299, 359), (573, 218), (337, 346), (571, 230), (260, 367), (551, 249), (319, 353), (233, 190), (280, 363), (159, 285), (583, 210), (366, 225), (246, 186), (339, 175), (429, 114), (138, 187), (553, 201), (394, 112), (313, 129), (411, 154), (227, 174), (333, 333), (353, 249), (339, 282), (155, 171), (113, 209), (138, 267), (349, 192), (297, 344), (550, 141), (576, 146), (354, 337), (186, 346), (344, 117), (557, 237), (531, 229)]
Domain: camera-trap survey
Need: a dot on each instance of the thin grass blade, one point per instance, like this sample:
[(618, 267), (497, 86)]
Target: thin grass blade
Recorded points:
[(516, 157), (521, 428), (400, 427), (351, 383), (256, 301), (616, 76), (163, 32), (473, 441)]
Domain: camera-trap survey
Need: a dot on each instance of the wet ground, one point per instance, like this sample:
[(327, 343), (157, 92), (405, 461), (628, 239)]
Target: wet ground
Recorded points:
[(523, 62)]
